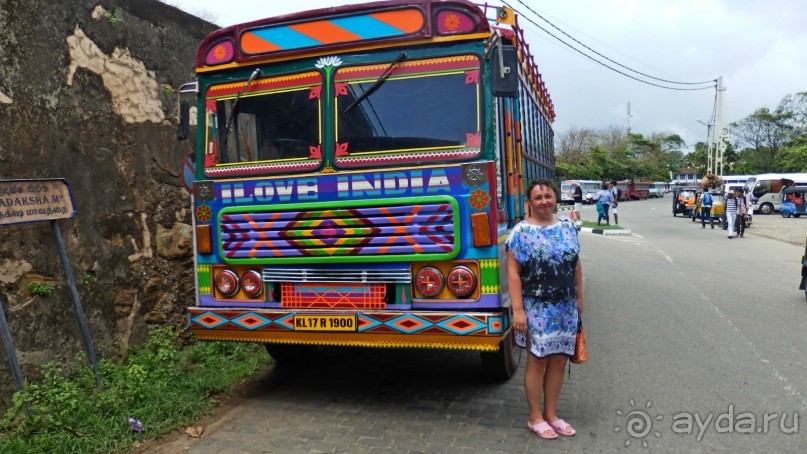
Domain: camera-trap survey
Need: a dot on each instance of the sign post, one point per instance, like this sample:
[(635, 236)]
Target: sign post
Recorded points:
[(44, 200), (9, 343)]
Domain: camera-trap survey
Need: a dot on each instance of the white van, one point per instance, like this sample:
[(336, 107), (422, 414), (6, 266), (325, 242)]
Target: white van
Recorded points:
[(766, 189), (732, 186)]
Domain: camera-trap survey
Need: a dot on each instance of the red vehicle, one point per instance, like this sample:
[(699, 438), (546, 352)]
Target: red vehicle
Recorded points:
[(624, 190), (639, 190)]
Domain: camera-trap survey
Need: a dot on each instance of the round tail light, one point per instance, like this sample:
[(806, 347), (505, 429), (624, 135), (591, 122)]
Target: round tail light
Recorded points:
[(251, 283), (461, 281), (429, 281), (227, 283)]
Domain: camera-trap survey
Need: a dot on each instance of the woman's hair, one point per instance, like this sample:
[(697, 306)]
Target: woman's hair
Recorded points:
[(544, 182), (604, 186)]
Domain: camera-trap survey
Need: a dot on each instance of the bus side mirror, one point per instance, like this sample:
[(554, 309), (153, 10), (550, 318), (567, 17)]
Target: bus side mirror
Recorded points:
[(504, 72), (184, 120)]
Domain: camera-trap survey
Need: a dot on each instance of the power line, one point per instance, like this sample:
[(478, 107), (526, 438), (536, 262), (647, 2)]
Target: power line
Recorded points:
[(713, 82)]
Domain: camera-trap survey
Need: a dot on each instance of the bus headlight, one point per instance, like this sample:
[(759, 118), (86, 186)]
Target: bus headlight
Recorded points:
[(429, 281), (226, 282), (252, 283), (461, 281)]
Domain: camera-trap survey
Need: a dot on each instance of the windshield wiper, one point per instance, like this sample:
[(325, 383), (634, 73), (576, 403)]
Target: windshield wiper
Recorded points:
[(387, 72), (233, 111)]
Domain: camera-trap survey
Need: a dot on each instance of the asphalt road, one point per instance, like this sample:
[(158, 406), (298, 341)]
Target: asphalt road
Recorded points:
[(694, 339)]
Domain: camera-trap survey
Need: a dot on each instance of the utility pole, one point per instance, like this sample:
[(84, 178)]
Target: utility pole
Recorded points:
[(710, 160), (628, 119), (710, 149), (721, 133)]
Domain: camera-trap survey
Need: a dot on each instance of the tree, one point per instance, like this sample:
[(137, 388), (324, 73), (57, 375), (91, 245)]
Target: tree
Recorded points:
[(697, 159), (766, 132)]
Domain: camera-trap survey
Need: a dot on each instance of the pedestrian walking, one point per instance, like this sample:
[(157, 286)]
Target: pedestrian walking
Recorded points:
[(545, 282), (706, 209), (749, 201), (742, 210), (577, 198), (731, 212), (604, 200), (616, 193)]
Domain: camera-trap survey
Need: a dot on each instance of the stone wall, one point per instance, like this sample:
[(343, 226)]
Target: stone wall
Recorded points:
[(88, 93)]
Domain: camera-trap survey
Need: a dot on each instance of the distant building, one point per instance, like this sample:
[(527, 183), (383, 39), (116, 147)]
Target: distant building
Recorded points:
[(685, 176)]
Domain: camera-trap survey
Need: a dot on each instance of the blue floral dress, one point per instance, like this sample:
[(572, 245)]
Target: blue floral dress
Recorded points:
[(548, 256)]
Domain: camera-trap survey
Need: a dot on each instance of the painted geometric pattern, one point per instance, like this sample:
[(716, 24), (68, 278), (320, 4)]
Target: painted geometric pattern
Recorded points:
[(332, 31), (403, 229), (250, 169), (203, 275), (333, 295), (403, 157), (419, 323), (489, 279), (289, 81), (432, 65)]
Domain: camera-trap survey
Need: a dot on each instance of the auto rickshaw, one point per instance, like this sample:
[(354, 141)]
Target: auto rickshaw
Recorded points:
[(718, 212), (684, 201), (793, 202)]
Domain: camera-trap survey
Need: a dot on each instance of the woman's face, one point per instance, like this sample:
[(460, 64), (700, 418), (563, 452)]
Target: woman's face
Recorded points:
[(542, 201)]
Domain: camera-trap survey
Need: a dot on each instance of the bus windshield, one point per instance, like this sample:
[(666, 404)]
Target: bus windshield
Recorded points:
[(269, 125)]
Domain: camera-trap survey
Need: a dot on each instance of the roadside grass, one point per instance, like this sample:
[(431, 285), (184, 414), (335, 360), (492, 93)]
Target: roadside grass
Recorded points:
[(160, 384), (593, 225)]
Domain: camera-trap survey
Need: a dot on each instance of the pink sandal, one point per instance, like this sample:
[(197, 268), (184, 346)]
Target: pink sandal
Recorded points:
[(562, 427), (543, 430)]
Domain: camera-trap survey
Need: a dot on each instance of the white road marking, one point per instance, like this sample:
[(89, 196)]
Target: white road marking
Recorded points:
[(665, 255), (778, 375)]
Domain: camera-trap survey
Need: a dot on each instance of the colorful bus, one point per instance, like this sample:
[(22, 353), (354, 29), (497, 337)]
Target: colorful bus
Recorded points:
[(357, 171)]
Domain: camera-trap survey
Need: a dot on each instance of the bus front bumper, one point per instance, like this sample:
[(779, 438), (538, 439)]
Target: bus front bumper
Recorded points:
[(480, 331)]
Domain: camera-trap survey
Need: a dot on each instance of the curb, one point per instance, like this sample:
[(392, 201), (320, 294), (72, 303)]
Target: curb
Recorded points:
[(606, 232)]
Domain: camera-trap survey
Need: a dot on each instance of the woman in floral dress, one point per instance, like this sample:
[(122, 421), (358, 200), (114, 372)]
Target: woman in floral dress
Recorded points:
[(545, 281)]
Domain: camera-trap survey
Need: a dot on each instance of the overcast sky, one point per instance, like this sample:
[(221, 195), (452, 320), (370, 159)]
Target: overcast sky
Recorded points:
[(758, 47)]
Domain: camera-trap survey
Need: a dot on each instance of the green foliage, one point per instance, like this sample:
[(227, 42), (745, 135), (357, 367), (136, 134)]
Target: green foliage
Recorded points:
[(614, 155), (162, 385), (64, 91), (40, 288), (773, 140), (593, 225), (166, 90), (114, 16), (88, 277), (794, 158)]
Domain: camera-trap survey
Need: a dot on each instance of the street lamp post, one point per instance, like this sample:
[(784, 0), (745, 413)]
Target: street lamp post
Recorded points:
[(710, 161)]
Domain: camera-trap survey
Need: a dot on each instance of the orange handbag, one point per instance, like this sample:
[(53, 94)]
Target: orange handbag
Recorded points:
[(580, 353)]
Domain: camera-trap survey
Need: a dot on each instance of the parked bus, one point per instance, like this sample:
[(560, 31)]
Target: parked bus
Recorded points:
[(639, 190), (657, 189), (766, 189), (357, 172), (589, 188), (624, 190)]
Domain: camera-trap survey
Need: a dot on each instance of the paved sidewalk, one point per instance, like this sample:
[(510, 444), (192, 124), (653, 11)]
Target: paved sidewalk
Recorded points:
[(384, 401)]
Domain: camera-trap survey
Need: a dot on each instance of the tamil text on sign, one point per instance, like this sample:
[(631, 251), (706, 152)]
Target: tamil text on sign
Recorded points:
[(34, 200)]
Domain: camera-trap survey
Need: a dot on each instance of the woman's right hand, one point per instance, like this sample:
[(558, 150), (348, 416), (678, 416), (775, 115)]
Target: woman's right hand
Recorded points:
[(519, 320)]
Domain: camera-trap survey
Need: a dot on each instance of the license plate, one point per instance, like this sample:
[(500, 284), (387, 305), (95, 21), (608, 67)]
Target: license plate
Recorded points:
[(324, 323)]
